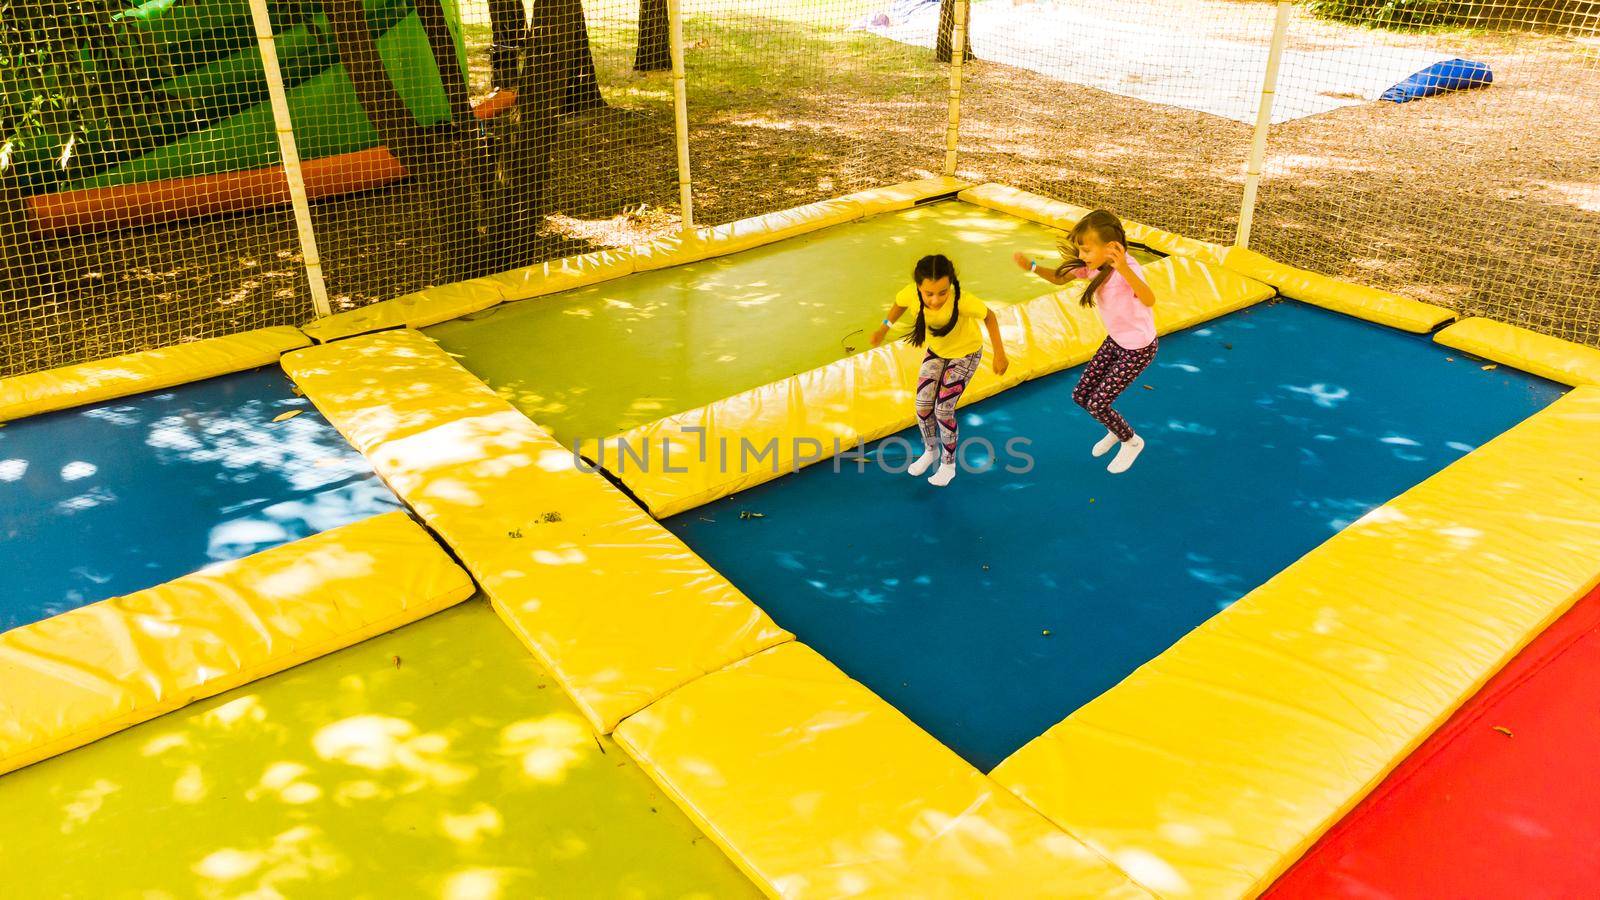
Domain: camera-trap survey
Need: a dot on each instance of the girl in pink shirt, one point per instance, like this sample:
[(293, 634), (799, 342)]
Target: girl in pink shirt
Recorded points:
[(1098, 250)]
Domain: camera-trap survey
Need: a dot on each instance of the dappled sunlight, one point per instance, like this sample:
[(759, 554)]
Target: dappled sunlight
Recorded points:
[(392, 746), (85, 803), (204, 471), (476, 884), (474, 826), (547, 747), (297, 856)]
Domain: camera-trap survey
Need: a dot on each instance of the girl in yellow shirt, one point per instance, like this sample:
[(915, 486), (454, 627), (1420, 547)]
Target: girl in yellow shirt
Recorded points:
[(947, 323)]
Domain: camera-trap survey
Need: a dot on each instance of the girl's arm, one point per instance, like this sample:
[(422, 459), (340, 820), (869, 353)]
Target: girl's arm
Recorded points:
[(883, 330), (1119, 261), (1045, 272), (1000, 361)]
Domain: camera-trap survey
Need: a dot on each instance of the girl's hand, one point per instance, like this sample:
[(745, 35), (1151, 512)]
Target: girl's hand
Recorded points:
[(879, 335), (1001, 364), (1023, 262), (1117, 255)]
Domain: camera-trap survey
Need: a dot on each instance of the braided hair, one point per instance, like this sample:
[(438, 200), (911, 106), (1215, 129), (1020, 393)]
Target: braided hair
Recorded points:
[(933, 268)]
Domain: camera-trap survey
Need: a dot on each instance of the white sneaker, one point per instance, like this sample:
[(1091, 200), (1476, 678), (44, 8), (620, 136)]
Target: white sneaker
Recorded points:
[(945, 474), (1126, 455), (1105, 445), (923, 463)]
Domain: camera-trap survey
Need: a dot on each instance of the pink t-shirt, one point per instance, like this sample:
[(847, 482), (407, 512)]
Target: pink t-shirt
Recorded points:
[(1129, 322)]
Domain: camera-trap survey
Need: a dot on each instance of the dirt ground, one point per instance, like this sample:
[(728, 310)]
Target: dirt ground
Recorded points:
[(1486, 201)]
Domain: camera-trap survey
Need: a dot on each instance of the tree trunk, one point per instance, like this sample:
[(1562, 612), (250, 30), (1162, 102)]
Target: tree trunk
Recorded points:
[(443, 44), (509, 26), (573, 58), (947, 27), (27, 276), (523, 186), (427, 158), (654, 53), (362, 63)]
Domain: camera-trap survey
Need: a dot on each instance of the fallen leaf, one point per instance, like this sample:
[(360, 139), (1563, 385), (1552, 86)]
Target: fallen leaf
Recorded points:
[(514, 534), (552, 517), (397, 662), (1045, 632), (1148, 387), (1504, 730), (1490, 366), (284, 417), (747, 514), (1449, 359), (1227, 346), (1091, 499)]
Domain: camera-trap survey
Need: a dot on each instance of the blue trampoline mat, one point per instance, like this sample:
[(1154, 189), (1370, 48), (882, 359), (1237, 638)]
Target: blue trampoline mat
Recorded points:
[(1268, 431), (100, 501)]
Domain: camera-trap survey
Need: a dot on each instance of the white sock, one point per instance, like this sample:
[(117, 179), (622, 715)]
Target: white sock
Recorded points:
[(1126, 455), (923, 463), (943, 475), (1105, 444)]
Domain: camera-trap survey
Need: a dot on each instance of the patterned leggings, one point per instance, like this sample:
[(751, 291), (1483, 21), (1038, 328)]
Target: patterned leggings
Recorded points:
[(1107, 375), (939, 386)]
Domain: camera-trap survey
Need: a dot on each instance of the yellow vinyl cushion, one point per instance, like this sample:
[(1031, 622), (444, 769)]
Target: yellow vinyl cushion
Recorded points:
[(1210, 769), (615, 606), (81, 675), (149, 370), (817, 788)]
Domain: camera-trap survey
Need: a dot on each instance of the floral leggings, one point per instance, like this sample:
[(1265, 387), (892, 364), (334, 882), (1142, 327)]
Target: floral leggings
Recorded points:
[(1107, 375), (939, 386)]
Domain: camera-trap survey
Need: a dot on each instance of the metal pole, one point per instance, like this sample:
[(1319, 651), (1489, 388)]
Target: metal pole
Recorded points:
[(1258, 145), (680, 109), (958, 46), (291, 156)]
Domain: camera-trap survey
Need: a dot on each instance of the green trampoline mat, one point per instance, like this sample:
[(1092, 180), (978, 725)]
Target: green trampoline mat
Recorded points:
[(592, 362), (437, 760)]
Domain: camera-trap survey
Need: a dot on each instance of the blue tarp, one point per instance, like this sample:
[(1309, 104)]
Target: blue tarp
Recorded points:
[(1450, 75)]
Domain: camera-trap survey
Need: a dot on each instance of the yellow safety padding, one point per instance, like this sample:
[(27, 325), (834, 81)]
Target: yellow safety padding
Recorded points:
[(563, 274), (905, 195), (720, 449), (745, 234), (79, 676), (615, 606), (1210, 769), (429, 306), (1058, 214), (1012, 201), (817, 788), (1367, 303), (148, 370), (1543, 355)]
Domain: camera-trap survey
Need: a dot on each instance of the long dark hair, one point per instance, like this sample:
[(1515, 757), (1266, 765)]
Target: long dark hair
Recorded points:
[(933, 268), (1107, 228)]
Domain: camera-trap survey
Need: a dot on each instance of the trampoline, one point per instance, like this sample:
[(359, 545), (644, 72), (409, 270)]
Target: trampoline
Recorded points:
[(630, 351), (406, 640), (116, 497), (438, 759), (988, 613)]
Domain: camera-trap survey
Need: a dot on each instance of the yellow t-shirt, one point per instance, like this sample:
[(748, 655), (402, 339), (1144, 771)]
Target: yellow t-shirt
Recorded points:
[(964, 339)]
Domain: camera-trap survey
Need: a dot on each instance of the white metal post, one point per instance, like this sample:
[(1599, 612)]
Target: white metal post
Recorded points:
[(680, 109), (291, 156), (958, 46), (1258, 145)]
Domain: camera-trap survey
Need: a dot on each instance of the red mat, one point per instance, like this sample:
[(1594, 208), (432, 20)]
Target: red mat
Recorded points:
[(1476, 812)]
